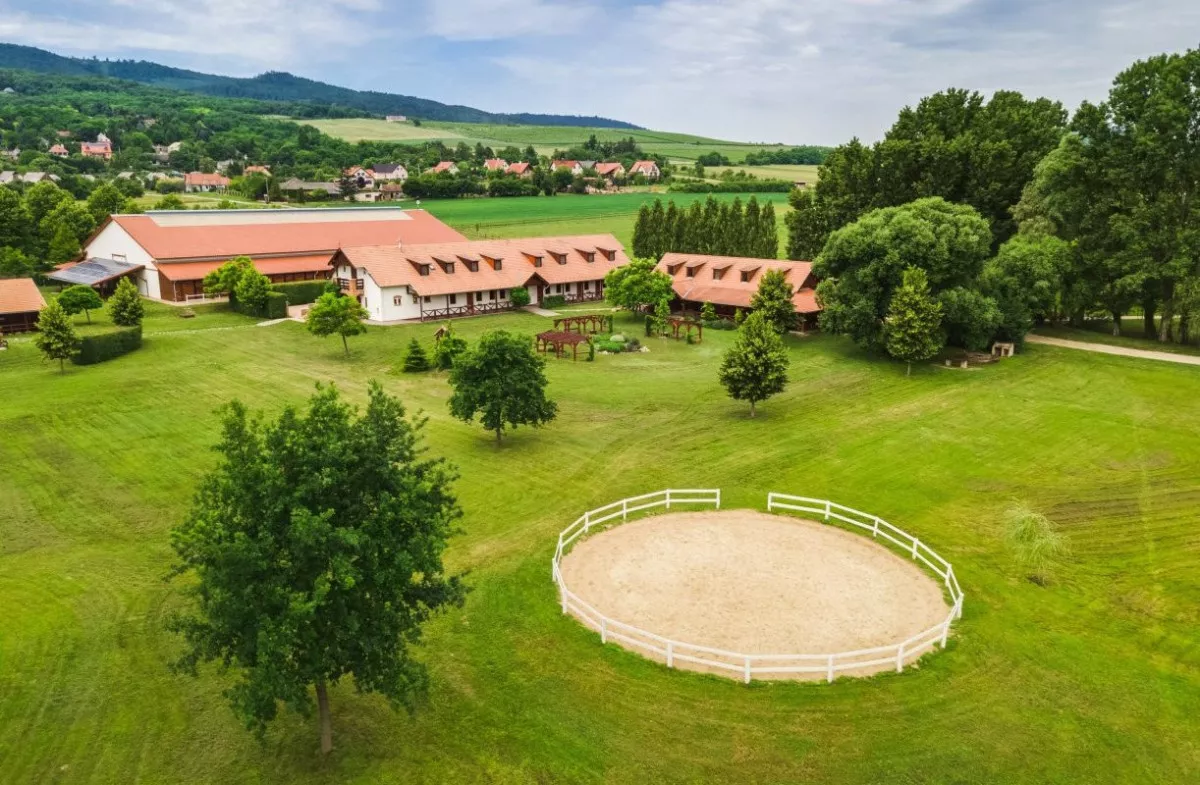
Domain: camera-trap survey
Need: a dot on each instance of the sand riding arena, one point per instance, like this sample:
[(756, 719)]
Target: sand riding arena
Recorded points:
[(756, 595)]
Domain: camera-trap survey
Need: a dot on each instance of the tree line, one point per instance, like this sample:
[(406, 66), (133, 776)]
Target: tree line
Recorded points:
[(1016, 215), (45, 225), (709, 227)]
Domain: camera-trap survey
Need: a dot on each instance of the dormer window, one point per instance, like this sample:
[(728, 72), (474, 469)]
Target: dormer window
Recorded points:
[(447, 267), (561, 258), (590, 256), (497, 264), (473, 266), (747, 275), (426, 269), (537, 261), (610, 255), (691, 272)]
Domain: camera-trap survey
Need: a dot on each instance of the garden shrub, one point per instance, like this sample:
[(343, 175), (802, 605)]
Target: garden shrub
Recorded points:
[(718, 324), (301, 292), (108, 345), (618, 337), (610, 346), (519, 297), (275, 306), (554, 301)]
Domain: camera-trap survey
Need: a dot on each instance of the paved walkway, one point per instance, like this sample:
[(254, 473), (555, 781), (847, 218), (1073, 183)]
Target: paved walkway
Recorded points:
[(1122, 351), (536, 311)]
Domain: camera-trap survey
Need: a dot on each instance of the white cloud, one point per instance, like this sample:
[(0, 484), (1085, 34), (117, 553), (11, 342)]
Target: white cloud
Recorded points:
[(485, 20)]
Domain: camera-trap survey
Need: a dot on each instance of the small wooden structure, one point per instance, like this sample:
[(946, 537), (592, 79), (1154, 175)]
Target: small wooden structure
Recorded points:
[(557, 341), (1000, 349), (681, 324), (593, 323)]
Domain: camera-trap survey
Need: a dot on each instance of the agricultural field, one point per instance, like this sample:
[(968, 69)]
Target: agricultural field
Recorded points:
[(484, 219), (545, 139), (792, 172), (1092, 678)]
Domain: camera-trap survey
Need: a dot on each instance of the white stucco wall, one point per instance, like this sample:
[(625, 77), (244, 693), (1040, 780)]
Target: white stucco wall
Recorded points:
[(113, 242)]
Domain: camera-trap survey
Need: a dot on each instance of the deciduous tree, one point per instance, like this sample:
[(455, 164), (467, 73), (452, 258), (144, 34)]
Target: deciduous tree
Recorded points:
[(333, 314), (637, 285), (503, 382), (316, 548), (78, 298), (755, 367), (56, 337)]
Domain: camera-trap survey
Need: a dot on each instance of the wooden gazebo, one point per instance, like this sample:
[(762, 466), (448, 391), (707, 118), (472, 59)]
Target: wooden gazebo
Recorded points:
[(681, 324), (558, 341), (593, 323)]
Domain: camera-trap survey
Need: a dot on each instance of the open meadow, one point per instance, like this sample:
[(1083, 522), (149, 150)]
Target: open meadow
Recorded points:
[(544, 138), (1094, 678)]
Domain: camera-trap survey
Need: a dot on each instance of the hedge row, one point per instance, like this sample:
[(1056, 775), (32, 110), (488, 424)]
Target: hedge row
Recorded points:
[(301, 292), (554, 301), (734, 187), (106, 346), (276, 307)]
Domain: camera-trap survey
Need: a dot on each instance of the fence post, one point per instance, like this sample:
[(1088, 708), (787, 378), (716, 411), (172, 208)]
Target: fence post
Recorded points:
[(624, 509), (603, 629), (668, 492), (670, 654), (875, 531), (587, 521), (945, 632), (916, 544), (829, 675), (770, 501), (900, 659), (747, 669), (827, 510), (718, 498), (562, 592)]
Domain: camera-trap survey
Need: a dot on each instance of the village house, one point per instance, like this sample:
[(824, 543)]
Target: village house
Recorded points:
[(361, 177), (28, 178), (177, 248), (436, 281), (20, 302), (495, 164), (610, 171), (389, 173), (162, 152), (520, 169), (60, 150), (295, 186), (575, 167), (203, 182), (101, 148), (445, 166), (729, 282), (263, 170), (103, 275), (12, 154), (647, 169)]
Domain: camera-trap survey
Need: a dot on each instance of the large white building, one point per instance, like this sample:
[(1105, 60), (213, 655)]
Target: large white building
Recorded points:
[(435, 281), (176, 249)]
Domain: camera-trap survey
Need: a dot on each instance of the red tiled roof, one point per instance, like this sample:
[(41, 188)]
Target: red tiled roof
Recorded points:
[(95, 147), (520, 167), (214, 241), (194, 271), (609, 168), (445, 166), (58, 149), (257, 169), (563, 164), (20, 295), (204, 178), (493, 164), (391, 266), (643, 166), (730, 289)]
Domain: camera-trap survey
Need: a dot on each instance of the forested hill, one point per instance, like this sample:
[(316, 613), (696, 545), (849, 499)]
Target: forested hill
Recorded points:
[(275, 86)]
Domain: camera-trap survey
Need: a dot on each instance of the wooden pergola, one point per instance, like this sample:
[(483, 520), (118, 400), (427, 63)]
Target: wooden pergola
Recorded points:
[(593, 323), (557, 341), (679, 323)]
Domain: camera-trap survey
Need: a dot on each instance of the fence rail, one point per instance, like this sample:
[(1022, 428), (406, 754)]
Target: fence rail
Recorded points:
[(743, 664)]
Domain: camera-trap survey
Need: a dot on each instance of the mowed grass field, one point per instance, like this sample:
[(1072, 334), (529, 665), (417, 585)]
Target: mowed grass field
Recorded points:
[(1095, 679), (545, 138), (483, 219)]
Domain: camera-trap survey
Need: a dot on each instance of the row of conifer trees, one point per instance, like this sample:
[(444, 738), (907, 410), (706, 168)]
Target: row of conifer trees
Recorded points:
[(709, 227)]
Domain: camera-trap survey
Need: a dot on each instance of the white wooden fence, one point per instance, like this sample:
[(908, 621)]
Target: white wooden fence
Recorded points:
[(750, 665)]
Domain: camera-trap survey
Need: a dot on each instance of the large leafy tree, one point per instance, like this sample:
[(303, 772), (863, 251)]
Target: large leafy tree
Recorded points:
[(913, 330), (225, 279), (104, 201), (636, 285), (78, 298), (755, 367), (774, 301), (14, 221), (863, 264), (126, 305), (316, 551), (56, 337), (334, 314), (503, 382), (1026, 279)]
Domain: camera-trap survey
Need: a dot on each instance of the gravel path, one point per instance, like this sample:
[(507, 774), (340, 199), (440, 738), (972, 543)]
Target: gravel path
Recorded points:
[(1120, 351)]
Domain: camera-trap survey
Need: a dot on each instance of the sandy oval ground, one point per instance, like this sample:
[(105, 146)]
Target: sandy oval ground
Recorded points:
[(754, 583)]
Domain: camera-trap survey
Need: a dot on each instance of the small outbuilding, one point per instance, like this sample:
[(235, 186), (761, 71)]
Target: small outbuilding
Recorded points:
[(20, 302), (100, 274)]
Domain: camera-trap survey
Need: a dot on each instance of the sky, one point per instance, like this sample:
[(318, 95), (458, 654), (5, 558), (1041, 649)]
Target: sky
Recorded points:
[(793, 71)]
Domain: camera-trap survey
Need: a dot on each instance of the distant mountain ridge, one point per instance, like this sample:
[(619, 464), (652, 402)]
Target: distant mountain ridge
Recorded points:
[(278, 86)]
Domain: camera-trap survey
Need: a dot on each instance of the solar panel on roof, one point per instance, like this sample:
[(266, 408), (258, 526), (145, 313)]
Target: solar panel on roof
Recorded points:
[(93, 271)]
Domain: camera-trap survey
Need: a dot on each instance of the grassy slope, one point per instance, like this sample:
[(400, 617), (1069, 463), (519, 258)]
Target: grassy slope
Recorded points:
[(481, 219), (545, 139), (1094, 680)]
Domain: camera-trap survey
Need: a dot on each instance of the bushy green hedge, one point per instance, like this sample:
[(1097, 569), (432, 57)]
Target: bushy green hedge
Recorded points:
[(106, 346), (554, 301), (718, 324), (301, 292), (276, 307), (733, 187)]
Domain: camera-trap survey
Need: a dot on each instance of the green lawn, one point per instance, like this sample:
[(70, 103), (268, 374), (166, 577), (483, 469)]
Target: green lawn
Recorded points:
[(1093, 680), (545, 138), (481, 219), (1133, 335)]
